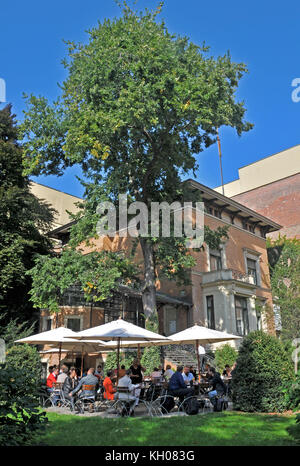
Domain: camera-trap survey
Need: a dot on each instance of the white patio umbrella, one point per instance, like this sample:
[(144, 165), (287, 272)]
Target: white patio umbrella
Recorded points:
[(55, 336), (119, 330), (197, 334), (193, 335), (83, 346)]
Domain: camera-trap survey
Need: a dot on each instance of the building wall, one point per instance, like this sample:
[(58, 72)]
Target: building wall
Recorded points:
[(279, 201), (238, 246), (60, 201), (271, 187), (267, 170)]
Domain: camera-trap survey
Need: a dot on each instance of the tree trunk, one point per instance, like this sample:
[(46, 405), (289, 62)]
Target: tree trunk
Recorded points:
[(149, 289)]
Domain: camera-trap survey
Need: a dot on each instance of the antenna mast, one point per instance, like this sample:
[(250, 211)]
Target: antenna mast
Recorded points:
[(220, 156)]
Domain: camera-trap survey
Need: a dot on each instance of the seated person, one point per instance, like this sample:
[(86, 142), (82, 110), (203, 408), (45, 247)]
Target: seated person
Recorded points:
[(227, 371), (168, 372), (131, 398), (193, 371), (156, 375), (187, 376), (122, 371), (52, 379), (89, 379), (218, 386), (161, 369), (99, 373), (108, 386), (70, 384), (177, 386), (63, 374)]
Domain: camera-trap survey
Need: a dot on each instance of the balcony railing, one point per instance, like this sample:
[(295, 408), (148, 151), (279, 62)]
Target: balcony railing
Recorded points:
[(226, 275)]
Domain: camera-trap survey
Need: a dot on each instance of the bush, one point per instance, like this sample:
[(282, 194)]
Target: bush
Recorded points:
[(151, 359), (20, 418), (294, 431), (125, 359), (27, 359), (225, 354), (263, 368), (111, 361), (292, 392)]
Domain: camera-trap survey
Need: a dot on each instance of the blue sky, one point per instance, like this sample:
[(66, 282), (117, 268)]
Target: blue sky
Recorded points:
[(262, 34)]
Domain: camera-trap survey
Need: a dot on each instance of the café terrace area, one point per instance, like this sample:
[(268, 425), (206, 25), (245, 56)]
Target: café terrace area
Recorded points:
[(121, 392)]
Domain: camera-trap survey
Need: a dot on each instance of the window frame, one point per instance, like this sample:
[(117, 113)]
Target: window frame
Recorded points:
[(244, 311), (210, 312), (75, 317)]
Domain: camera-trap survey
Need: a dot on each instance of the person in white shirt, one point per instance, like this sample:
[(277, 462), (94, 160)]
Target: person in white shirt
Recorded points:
[(187, 376), (63, 374), (132, 398), (168, 372)]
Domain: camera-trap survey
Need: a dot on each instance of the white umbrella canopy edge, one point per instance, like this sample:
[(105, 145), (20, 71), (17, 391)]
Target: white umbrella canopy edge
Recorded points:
[(56, 335), (198, 334), (118, 329)]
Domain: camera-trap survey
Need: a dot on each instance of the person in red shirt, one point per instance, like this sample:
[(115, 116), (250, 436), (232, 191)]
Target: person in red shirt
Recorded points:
[(108, 386), (51, 379)]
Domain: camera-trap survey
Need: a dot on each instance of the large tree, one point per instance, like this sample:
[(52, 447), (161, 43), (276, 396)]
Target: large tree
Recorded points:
[(23, 222), (136, 108)]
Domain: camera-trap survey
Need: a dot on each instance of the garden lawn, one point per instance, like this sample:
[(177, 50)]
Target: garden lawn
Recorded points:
[(226, 428)]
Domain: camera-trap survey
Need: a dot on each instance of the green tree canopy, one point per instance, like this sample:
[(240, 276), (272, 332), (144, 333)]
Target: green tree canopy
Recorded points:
[(23, 223), (136, 108)]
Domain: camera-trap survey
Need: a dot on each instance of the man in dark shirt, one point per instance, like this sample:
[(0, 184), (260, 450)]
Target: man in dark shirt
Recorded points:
[(177, 386), (218, 386)]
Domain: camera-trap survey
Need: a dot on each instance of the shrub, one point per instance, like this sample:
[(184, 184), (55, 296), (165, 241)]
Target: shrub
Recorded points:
[(27, 359), (125, 359), (151, 359), (263, 367), (111, 361), (20, 418), (225, 354), (292, 392), (294, 431)]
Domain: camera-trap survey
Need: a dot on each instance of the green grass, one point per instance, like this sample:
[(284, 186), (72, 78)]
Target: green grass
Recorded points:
[(227, 428)]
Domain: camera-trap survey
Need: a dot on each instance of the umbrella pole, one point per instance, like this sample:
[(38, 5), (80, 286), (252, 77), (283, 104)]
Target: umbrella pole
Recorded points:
[(81, 360), (118, 358), (198, 359), (139, 352), (59, 357)]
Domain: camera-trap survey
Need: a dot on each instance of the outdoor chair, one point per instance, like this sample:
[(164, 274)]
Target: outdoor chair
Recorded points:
[(55, 397), (86, 401), (162, 405)]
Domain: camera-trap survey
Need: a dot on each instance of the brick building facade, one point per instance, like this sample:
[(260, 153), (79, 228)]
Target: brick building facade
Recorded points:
[(228, 287), (271, 186)]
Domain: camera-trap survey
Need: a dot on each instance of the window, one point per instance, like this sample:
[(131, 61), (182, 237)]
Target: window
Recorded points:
[(251, 270), (258, 319), (44, 371), (215, 261), (73, 323), (46, 324), (241, 315), (210, 312)]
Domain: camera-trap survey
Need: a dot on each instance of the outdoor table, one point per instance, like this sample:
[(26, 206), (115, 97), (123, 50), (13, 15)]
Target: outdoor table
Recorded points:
[(204, 387)]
